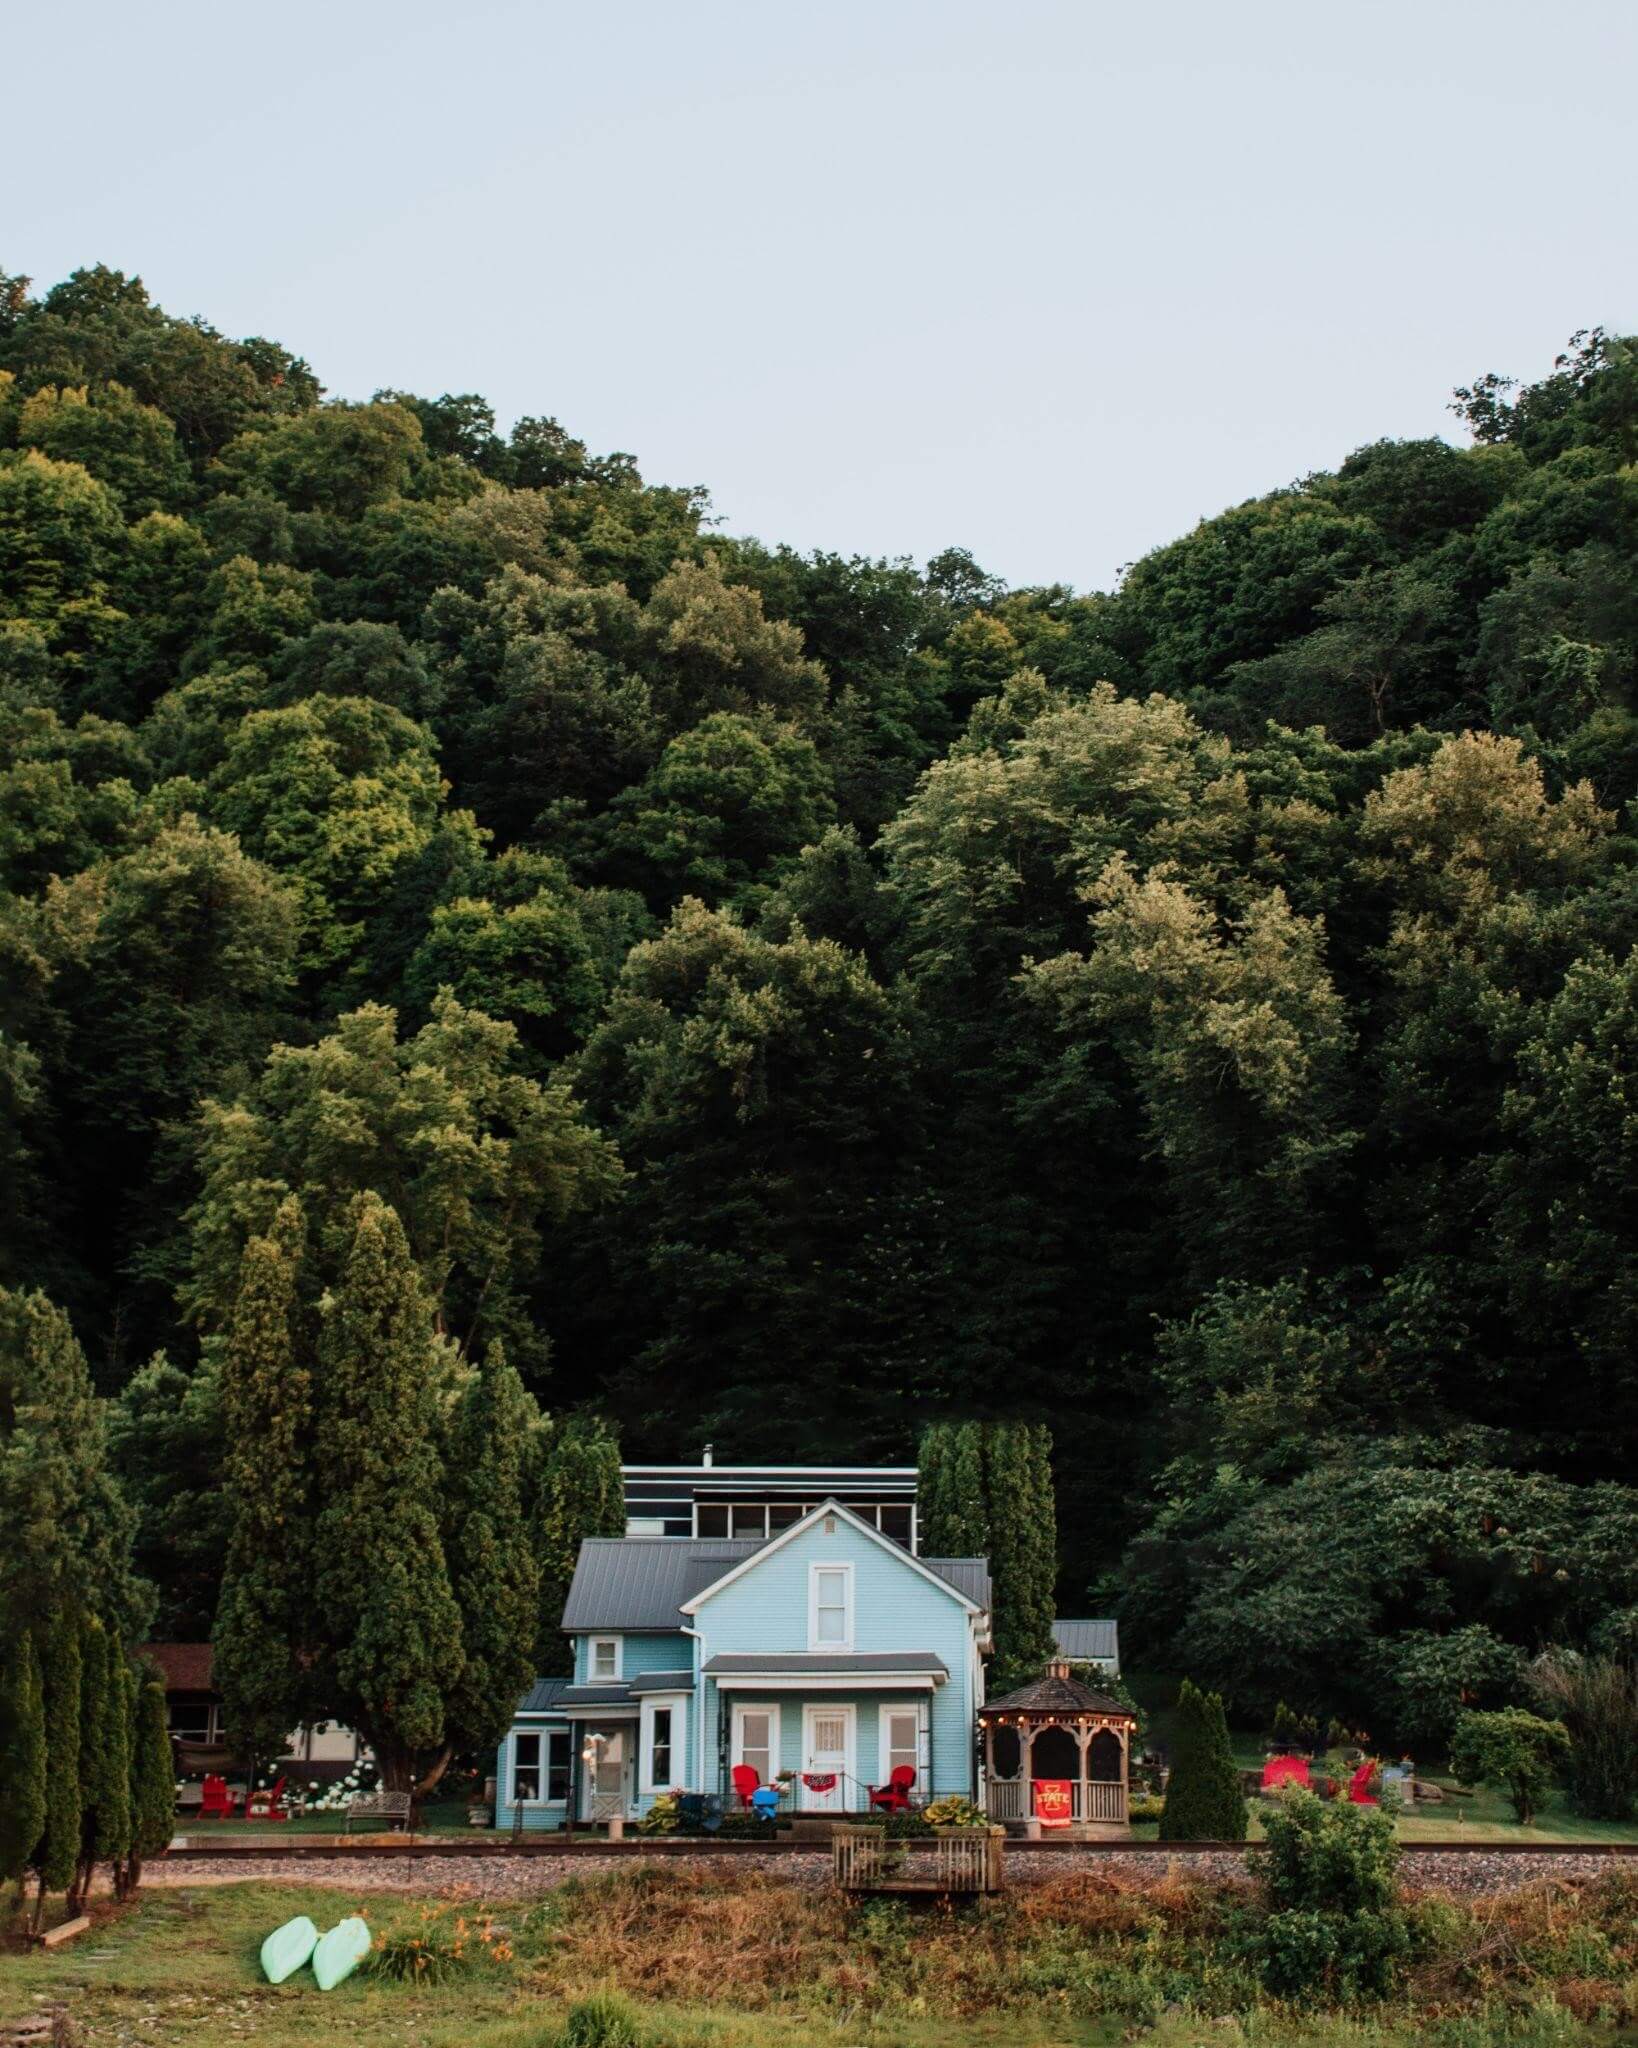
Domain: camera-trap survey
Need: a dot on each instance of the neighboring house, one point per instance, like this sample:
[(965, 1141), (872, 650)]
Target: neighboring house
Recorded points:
[(825, 1649), (1089, 1642), (752, 1502), (193, 1714)]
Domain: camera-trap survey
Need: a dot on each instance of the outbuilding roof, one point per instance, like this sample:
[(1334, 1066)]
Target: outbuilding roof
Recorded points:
[(1088, 1642)]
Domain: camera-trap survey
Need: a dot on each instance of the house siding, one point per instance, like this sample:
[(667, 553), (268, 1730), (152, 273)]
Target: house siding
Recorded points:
[(765, 1611), (638, 1653)]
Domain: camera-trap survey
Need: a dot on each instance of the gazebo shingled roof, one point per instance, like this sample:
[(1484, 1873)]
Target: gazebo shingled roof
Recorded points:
[(1054, 1692)]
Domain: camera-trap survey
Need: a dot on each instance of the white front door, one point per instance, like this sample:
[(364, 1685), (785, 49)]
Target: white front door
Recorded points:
[(606, 1777), (827, 1752)]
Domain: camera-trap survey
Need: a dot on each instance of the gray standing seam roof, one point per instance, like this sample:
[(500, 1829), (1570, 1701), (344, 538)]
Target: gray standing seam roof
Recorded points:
[(1093, 1642), (662, 1681), (543, 1697), (863, 1665), (633, 1583)]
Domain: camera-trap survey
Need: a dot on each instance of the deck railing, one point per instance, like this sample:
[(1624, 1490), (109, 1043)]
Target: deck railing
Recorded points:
[(1095, 1799), (863, 1859)]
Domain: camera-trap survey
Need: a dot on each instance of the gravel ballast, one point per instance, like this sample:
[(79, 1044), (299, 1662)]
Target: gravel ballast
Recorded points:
[(514, 1877)]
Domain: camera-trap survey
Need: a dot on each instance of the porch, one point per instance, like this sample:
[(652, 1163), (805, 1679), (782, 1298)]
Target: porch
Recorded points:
[(1007, 1800)]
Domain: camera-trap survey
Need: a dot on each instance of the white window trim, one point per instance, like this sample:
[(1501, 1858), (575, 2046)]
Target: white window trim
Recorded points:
[(593, 1675), (884, 1712), (776, 1728), (512, 1768), (678, 1705), (845, 1567)]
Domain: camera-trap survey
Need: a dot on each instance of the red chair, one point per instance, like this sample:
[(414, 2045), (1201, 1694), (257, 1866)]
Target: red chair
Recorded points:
[(216, 1801), (267, 1804), (746, 1780), (1286, 1770), (1358, 1784), (894, 1796)]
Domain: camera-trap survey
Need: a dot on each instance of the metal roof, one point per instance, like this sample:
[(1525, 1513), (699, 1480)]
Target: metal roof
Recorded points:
[(1051, 1695), (544, 1696), (640, 1582), (662, 1681), (1088, 1642), (821, 1664), (637, 1583), (617, 1694)]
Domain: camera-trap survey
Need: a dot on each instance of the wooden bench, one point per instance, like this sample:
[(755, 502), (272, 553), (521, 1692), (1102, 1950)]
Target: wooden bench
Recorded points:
[(390, 1807)]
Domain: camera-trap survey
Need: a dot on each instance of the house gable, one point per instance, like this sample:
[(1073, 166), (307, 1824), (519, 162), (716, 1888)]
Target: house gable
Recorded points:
[(849, 1531)]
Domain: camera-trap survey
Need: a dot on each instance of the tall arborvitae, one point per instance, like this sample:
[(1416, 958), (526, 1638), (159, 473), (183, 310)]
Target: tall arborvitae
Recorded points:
[(105, 1787), (58, 1852), (1204, 1799), (267, 1401), (1023, 1549), (22, 1758), (954, 1521), (579, 1492), (931, 1452), (493, 1568), (390, 1653), (153, 1788)]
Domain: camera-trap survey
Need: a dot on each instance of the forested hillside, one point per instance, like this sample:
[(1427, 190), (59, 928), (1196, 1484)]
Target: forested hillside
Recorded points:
[(791, 999)]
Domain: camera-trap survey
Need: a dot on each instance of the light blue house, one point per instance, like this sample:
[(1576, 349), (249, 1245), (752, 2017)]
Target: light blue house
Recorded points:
[(828, 1651)]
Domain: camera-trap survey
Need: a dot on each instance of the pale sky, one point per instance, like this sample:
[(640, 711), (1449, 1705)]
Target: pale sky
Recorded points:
[(1048, 281)]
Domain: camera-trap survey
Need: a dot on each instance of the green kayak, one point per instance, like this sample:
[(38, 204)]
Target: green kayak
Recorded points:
[(287, 1948), (340, 1952)]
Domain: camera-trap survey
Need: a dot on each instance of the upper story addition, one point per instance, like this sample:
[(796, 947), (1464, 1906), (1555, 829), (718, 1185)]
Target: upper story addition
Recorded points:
[(751, 1503)]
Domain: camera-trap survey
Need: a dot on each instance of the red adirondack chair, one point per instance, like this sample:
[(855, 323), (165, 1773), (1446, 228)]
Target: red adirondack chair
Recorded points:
[(216, 1801), (746, 1781), (268, 1804), (1360, 1781), (1286, 1770), (894, 1796)]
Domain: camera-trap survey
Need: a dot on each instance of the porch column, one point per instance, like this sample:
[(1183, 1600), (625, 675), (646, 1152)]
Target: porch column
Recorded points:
[(989, 1763), (1083, 1738)]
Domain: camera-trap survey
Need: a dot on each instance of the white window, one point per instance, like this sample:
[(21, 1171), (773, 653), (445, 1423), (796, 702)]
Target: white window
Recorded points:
[(830, 1607), (605, 1657), (901, 1743), (660, 1750), (756, 1740), (526, 1770)]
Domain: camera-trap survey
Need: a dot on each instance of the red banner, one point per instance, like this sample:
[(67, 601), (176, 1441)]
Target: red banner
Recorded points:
[(1053, 1807)]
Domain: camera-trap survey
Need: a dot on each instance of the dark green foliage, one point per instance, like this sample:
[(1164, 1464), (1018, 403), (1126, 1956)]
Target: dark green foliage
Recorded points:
[(58, 1854), (1329, 1874), (1204, 1801), (23, 1757), (153, 1787), (985, 1490), (1512, 1749), (1595, 1700), (1059, 1041), (577, 1491)]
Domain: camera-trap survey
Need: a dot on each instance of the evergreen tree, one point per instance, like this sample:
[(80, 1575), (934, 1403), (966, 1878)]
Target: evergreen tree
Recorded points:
[(267, 1404), (579, 1492), (493, 1568), (104, 1762), (931, 1453), (390, 1652), (22, 1758), (58, 1852), (1204, 1799), (153, 1788), (991, 1496)]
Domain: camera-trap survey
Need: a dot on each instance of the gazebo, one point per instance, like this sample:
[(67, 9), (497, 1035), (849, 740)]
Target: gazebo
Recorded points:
[(1058, 1730)]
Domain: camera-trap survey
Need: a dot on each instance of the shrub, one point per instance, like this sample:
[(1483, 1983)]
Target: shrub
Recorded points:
[(1330, 1879), (1204, 1800), (954, 1810), (663, 1818), (1596, 1700), (1145, 1806), (1514, 1749), (604, 2020), (438, 1948)]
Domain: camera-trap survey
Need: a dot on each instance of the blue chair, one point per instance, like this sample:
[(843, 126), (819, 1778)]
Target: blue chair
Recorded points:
[(765, 1802)]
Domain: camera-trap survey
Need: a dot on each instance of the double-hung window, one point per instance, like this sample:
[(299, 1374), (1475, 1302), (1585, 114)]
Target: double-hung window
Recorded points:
[(830, 1607), (605, 1657), (659, 1747), (540, 1767)]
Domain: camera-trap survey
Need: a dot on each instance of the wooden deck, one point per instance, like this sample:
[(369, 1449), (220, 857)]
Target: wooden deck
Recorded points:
[(866, 1860)]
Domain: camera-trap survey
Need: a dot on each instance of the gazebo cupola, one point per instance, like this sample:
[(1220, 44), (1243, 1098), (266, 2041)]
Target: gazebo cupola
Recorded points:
[(1055, 1728)]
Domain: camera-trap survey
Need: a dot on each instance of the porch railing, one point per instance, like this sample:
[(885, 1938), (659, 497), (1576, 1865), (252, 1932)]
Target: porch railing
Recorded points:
[(1094, 1799)]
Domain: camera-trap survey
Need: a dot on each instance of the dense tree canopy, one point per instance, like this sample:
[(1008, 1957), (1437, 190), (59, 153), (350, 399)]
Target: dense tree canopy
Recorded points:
[(800, 999)]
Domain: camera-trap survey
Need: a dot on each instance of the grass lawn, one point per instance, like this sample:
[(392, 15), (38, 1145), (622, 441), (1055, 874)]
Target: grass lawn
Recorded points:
[(181, 1967), (1480, 1816), (439, 1817)]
